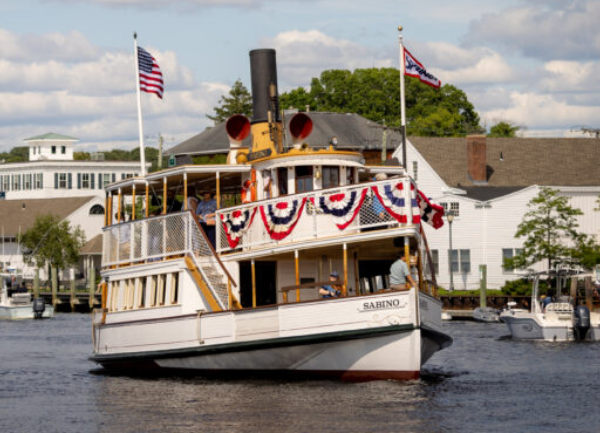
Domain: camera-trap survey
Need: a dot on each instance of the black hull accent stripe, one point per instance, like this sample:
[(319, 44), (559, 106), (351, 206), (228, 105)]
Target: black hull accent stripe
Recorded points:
[(244, 346), (440, 338)]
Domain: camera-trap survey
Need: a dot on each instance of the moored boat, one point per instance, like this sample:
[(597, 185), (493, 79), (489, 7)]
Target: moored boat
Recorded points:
[(241, 292), (16, 304)]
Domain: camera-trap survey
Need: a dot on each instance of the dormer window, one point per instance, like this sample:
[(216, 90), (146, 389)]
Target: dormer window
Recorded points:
[(53, 150), (63, 149)]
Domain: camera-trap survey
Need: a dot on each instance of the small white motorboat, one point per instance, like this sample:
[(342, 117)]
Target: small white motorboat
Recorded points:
[(15, 304), (486, 314)]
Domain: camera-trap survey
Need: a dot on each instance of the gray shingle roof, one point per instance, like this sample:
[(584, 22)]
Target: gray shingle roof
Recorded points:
[(15, 214), (351, 130), (517, 162)]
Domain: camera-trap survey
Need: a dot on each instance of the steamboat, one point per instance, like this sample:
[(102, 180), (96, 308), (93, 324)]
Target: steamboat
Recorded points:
[(240, 292)]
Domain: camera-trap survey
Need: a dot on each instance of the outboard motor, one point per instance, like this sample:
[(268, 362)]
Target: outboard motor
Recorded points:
[(582, 322), (39, 306)]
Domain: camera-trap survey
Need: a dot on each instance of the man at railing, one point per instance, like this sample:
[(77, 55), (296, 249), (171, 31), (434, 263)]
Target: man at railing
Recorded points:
[(332, 290), (399, 273)]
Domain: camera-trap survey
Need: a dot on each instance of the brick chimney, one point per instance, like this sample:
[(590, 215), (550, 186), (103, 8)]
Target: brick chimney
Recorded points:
[(476, 161)]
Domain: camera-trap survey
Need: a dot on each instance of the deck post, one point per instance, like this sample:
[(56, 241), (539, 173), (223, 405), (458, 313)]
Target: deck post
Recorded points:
[(109, 209), (185, 192), (54, 278), (147, 199), (420, 271), (119, 210), (164, 207), (133, 202), (407, 255), (356, 276), (253, 283), (218, 190), (92, 283), (297, 268), (345, 286)]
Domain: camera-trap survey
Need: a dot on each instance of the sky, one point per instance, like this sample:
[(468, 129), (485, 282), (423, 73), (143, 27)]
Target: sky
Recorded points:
[(66, 66)]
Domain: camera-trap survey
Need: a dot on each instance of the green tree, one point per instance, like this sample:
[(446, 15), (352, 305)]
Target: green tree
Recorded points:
[(53, 242), (16, 154), (374, 93), (81, 156), (239, 101), (548, 226), (504, 129)]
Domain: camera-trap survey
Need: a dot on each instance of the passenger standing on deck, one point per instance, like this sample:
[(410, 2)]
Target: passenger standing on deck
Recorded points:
[(192, 200), (399, 273), (206, 214)]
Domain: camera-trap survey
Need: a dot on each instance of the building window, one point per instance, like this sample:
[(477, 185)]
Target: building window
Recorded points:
[(63, 149), (62, 180), (39, 181), (455, 208), (97, 210), (174, 293), (304, 179), (435, 257), (415, 170), (16, 182), (6, 183), (53, 150), (85, 181), (105, 179), (39, 150), (331, 177), (27, 181), (509, 253), (349, 175), (461, 260), (33, 150)]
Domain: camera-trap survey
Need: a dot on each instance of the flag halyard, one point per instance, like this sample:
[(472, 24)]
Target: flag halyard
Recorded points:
[(151, 79), (414, 68)]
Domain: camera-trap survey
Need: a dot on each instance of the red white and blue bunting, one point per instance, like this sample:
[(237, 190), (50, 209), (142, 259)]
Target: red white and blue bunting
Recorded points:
[(281, 218), (392, 199), (431, 213), (343, 206), (236, 223)]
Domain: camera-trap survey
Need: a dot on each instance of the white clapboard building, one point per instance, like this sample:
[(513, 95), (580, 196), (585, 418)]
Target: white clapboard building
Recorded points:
[(487, 182), (53, 182)]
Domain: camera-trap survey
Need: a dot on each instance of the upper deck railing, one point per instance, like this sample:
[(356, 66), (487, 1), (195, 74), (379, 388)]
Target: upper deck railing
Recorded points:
[(318, 214)]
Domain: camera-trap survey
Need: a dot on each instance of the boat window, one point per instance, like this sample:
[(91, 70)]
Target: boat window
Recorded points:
[(349, 176), (304, 179), (130, 293), (331, 176), (282, 180), (115, 295), (174, 288)]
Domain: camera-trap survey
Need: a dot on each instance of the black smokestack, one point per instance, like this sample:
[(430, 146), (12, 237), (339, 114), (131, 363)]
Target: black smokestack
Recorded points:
[(263, 69)]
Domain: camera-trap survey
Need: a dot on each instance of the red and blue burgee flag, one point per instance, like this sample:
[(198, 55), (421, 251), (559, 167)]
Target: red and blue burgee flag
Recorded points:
[(414, 68), (151, 79)]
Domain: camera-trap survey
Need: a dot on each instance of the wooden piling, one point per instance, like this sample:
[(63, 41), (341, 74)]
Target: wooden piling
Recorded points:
[(482, 286), (73, 294), (92, 284), (54, 277), (36, 284), (589, 293)]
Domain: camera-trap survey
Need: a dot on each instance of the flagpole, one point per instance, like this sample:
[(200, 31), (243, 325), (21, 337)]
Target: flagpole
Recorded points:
[(139, 105), (402, 99)]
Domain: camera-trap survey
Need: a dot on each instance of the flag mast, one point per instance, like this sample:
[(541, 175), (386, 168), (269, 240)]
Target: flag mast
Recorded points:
[(402, 98), (139, 104)]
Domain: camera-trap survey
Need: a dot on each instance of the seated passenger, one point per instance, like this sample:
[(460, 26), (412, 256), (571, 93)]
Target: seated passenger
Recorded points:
[(546, 301), (399, 273), (331, 290)]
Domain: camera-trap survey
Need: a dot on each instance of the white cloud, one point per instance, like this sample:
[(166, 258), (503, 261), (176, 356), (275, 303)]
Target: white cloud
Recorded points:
[(302, 55), (93, 97), (458, 65), (558, 30), (544, 111), (53, 46), (571, 76)]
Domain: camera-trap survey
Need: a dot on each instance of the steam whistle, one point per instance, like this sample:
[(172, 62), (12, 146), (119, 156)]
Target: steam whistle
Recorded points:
[(238, 128), (301, 126)]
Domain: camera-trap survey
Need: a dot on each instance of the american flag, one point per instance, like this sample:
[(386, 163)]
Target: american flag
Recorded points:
[(151, 79)]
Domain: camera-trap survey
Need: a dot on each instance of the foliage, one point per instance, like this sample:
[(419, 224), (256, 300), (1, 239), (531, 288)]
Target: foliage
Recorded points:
[(374, 93), (504, 129), (588, 253), (81, 156), (547, 227), (210, 159), (53, 242), (522, 287), (16, 154), (239, 101)]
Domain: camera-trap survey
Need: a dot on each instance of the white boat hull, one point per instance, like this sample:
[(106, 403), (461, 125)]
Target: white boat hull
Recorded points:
[(524, 325), (379, 344), (22, 312)]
